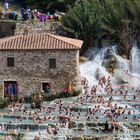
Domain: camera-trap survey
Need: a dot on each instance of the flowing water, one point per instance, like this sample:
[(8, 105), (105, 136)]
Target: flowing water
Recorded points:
[(135, 59), (126, 135), (130, 70), (127, 70), (126, 73), (91, 69)]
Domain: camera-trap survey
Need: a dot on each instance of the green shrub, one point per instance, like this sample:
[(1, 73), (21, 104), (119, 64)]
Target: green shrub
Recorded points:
[(17, 137), (59, 95), (3, 103), (51, 97), (37, 99)]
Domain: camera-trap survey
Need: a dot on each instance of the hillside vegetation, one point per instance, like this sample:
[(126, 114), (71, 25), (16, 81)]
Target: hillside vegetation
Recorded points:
[(96, 21)]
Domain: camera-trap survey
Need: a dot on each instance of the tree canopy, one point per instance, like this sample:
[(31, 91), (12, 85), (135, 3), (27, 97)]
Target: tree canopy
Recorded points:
[(90, 20), (97, 19), (61, 5)]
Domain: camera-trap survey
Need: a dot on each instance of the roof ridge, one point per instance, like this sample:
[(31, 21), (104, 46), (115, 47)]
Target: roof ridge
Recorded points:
[(50, 40)]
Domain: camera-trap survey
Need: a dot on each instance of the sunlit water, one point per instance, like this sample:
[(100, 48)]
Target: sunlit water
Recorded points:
[(135, 59), (92, 71), (126, 70)]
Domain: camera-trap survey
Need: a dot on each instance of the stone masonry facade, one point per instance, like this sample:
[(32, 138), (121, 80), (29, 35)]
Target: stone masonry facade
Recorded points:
[(32, 68)]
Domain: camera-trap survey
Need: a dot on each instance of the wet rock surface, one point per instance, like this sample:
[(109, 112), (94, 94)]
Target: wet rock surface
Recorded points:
[(110, 61)]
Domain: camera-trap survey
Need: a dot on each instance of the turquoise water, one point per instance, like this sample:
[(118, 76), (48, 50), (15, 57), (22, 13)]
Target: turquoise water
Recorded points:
[(21, 121)]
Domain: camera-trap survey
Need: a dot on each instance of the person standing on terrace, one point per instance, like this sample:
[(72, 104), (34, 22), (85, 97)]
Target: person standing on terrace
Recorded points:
[(6, 6)]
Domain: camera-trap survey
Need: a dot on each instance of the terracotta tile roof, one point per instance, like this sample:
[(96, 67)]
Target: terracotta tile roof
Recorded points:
[(39, 41)]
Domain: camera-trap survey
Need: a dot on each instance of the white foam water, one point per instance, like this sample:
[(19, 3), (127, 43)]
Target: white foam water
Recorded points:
[(94, 68), (126, 69), (91, 69), (126, 135), (135, 59)]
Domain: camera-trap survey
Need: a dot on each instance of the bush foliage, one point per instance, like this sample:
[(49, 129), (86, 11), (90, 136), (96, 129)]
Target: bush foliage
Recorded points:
[(59, 95), (3, 103)]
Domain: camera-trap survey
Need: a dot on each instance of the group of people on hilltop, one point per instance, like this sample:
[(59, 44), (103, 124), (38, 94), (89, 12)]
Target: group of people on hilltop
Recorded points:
[(32, 14), (27, 13), (7, 14), (6, 6)]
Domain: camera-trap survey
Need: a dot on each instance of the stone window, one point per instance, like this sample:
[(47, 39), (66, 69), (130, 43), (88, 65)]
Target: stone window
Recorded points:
[(46, 87), (52, 63), (10, 62)]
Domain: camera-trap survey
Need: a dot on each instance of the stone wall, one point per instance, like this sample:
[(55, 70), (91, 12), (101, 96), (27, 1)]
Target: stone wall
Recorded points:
[(10, 28), (32, 68), (36, 27), (7, 28)]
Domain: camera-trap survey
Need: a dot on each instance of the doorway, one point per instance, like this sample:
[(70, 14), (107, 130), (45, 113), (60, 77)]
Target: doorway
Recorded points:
[(10, 88)]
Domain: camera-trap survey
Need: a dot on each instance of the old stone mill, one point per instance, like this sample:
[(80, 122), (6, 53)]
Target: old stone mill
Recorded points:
[(30, 63)]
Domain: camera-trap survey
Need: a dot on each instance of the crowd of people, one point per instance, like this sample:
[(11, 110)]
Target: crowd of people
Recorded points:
[(28, 14), (111, 110), (106, 109)]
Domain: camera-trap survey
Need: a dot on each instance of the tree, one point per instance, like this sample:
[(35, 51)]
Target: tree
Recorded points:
[(85, 20), (95, 19), (44, 5), (119, 22)]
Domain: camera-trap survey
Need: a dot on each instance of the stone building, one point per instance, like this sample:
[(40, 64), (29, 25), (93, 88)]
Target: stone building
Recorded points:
[(38, 63)]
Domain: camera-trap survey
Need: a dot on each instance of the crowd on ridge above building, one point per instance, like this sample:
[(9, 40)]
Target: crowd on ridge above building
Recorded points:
[(27, 13)]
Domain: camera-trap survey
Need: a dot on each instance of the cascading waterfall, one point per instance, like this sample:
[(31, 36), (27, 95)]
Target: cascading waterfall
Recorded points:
[(135, 59), (123, 64), (92, 68), (135, 64), (126, 69), (92, 71)]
